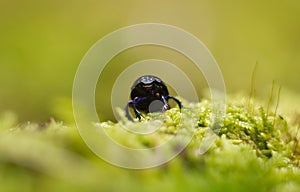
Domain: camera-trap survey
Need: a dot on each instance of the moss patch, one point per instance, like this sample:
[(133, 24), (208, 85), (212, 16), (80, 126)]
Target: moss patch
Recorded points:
[(254, 150)]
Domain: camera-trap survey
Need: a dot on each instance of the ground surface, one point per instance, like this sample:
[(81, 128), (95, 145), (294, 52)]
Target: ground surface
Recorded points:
[(256, 150)]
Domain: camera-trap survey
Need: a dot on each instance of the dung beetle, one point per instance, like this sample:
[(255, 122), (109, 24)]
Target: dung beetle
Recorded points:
[(149, 94)]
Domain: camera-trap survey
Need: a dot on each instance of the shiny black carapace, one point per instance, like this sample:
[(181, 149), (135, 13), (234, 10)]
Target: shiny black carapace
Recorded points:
[(149, 94)]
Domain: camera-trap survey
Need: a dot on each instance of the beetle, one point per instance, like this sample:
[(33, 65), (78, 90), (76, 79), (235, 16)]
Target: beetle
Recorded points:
[(146, 90)]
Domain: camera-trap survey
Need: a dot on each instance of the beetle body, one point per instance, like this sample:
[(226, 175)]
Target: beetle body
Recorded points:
[(147, 90)]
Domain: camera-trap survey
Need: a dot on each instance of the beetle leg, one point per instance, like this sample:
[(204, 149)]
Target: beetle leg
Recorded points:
[(166, 105), (176, 100), (138, 114), (129, 104), (132, 103)]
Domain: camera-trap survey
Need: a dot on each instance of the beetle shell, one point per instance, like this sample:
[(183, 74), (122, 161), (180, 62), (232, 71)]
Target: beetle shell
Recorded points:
[(143, 86), (147, 79)]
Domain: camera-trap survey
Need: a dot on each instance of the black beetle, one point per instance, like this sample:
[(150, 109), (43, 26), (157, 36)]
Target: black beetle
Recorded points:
[(148, 89)]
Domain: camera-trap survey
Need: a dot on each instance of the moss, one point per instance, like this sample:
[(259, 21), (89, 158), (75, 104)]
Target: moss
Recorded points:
[(254, 150), (266, 134)]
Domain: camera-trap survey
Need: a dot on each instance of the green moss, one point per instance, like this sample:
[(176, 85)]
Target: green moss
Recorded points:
[(265, 133), (253, 151)]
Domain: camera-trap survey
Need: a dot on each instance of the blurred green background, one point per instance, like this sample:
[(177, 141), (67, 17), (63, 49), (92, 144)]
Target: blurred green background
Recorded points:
[(43, 42)]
